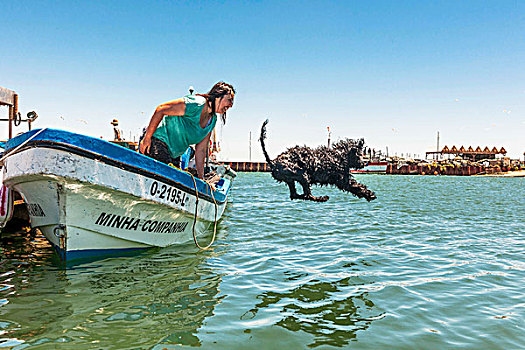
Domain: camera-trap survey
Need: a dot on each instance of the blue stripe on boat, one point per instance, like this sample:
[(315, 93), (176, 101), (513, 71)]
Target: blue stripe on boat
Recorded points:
[(118, 153), (100, 253), (72, 255)]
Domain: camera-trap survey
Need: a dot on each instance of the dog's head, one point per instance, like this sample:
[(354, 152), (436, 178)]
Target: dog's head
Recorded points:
[(350, 153)]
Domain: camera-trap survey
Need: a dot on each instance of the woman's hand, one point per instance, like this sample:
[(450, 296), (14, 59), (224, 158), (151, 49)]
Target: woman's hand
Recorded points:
[(211, 184), (145, 145)]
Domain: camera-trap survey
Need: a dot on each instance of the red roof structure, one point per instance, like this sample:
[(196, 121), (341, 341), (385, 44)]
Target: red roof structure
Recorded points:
[(486, 150), (472, 153)]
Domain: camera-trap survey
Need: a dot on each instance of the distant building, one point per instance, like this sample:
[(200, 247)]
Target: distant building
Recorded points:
[(470, 153)]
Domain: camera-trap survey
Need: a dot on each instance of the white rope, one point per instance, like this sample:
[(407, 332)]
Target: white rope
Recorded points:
[(195, 217)]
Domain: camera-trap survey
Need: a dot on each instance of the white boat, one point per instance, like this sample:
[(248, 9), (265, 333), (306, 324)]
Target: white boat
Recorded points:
[(6, 201), (373, 167), (90, 197), (6, 205)]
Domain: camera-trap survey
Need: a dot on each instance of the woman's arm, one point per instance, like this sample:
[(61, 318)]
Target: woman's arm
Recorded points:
[(175, 107), (200, 155)]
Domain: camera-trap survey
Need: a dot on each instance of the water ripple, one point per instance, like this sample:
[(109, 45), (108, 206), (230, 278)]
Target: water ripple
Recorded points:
[(434, 262)]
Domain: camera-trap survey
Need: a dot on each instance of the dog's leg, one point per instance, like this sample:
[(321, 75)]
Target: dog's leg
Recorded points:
[(359, 190), (307, 193), (293, 191), (295, 195)]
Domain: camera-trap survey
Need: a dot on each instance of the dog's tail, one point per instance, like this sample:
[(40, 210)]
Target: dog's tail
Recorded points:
[(261, 139)]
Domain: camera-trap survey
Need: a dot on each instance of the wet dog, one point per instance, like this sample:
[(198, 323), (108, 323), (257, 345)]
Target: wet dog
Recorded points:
[(321, 166)]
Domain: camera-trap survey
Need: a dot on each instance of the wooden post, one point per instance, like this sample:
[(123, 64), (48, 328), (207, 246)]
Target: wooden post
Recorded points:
[(10, 99), (15, 108), (15, 104), (11, 108)]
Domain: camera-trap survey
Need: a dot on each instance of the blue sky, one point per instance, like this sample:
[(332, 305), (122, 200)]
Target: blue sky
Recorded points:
[(393, 72)]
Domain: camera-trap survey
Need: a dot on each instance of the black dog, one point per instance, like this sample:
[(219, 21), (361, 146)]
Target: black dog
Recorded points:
[(320, 166)]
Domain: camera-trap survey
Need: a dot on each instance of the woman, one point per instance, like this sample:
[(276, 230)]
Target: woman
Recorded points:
[(177, 124)]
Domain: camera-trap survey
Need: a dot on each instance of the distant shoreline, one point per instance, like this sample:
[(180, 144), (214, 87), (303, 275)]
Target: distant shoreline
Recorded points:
[(519, 173)]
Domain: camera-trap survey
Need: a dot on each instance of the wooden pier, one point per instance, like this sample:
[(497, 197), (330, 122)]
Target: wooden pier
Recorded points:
[(9, 98), (249, 166)]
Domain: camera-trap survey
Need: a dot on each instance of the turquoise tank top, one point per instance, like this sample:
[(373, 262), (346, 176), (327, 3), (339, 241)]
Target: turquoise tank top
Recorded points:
[(178, 132)]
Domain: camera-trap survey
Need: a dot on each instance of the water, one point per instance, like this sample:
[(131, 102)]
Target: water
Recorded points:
[(434, 262)]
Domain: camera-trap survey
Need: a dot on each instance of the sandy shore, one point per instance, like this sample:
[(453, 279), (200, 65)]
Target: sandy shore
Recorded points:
[(520, 173)]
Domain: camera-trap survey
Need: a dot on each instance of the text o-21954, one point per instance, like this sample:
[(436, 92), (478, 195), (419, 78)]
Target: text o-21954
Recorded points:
[(171, 194)]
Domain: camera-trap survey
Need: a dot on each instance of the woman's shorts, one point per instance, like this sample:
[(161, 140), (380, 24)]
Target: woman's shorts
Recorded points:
[(159, 150)]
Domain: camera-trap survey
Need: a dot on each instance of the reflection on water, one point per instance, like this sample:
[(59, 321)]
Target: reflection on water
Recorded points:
[(164, 293), (332, 312)]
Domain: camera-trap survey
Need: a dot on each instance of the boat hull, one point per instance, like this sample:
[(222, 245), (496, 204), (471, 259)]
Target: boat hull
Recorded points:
[(6, 205), (87, 207)]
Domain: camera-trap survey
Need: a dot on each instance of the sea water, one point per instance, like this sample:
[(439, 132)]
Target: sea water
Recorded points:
[(433, 263)]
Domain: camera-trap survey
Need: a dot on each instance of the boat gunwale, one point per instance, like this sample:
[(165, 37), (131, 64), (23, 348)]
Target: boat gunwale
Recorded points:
[(121, 165)]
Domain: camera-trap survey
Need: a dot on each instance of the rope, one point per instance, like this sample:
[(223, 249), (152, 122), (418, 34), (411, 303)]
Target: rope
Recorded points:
[(17, 119), (20, 146), (195, 218), (196, 208)]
